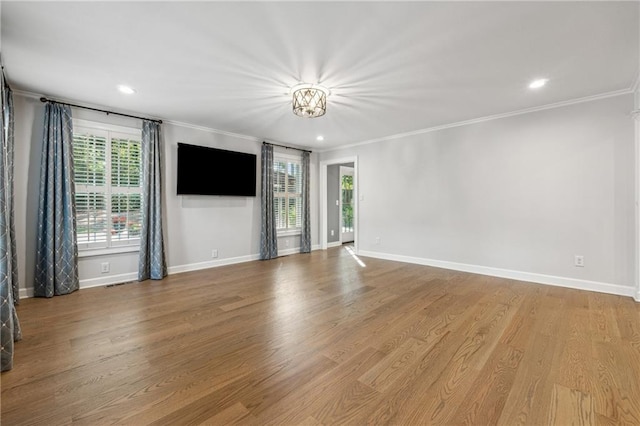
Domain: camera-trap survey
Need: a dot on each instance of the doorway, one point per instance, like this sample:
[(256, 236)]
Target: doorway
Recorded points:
[(346, 204), (336, 214)]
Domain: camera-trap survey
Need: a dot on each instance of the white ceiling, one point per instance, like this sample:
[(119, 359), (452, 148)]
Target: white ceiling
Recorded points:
[(392, 67)]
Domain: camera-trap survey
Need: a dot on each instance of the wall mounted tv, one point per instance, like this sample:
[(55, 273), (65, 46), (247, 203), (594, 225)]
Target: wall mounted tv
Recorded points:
[(211, 171)]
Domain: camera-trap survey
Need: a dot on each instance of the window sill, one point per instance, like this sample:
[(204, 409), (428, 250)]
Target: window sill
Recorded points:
[(107, 251), (289, 233)]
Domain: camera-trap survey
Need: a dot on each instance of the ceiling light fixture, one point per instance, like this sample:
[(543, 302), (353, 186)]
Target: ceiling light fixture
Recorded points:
[(536, 84), (310, 100), (320, 138), (126, 89)]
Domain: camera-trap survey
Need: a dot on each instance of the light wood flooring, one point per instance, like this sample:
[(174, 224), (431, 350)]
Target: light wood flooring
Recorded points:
[(319, 339)]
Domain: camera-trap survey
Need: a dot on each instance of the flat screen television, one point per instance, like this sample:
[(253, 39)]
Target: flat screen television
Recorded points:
[(211, 171)]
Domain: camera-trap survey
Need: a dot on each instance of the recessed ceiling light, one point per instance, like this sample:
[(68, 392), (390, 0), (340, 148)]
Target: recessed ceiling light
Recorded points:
[(536, 84), (126, 89), (320, 138)]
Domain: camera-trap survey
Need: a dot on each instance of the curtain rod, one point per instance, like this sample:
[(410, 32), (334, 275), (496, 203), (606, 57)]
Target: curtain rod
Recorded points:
[(287, 147), (43, 99)]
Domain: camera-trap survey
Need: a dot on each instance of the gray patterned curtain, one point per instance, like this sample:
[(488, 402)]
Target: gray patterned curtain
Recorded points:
[(268, 235), (305, 236), (9, 296), (57, 249), (152, 263)]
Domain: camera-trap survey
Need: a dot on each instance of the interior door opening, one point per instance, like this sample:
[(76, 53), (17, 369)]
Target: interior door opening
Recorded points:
[(346, 204), (339, 209)]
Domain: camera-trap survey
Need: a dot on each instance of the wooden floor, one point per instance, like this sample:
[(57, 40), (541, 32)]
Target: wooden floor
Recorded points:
[(321, 339)]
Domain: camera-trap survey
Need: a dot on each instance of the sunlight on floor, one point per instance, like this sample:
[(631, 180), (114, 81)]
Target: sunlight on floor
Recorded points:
[(349, 250)]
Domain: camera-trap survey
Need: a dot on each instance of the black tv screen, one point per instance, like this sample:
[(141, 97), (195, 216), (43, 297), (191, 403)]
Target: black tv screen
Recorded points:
[(211, 171)]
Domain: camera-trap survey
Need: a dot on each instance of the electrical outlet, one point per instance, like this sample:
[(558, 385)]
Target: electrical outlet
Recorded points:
[(332, 232), (578, 260), (337, 202), (214, 253), (377, 240), (104, 267)]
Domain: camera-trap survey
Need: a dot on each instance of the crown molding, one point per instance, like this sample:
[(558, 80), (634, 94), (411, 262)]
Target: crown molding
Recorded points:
[(26, 94), (211, 130), (486, 118), (37, 96), (630, 90), (115, 111)]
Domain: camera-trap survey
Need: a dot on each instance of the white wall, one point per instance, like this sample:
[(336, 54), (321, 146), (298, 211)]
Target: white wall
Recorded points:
[(194, 224), (516, 197)]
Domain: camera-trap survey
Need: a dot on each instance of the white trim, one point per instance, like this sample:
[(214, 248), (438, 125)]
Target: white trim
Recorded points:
[(37, 96), (108, 251), (108, 280), (212, 264), (26, 293), (92, 282), (370, 141), (295, 250), (211, 130), (133, 276), (288, 232), (334, 244), (323, 199), (483, 119), (510, 274), (342, 173), (288, 251), (636, 118)]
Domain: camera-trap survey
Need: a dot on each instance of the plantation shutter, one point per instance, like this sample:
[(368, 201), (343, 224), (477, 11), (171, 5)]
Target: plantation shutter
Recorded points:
[(125, 189), (89, 155), (107, 169), (287, 193)]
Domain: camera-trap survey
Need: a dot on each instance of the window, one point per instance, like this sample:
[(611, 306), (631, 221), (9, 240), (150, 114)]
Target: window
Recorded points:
[(107, 168), (287, 194)]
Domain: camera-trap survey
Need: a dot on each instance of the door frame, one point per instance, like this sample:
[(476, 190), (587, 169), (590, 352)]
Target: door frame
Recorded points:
[(323, 199), (340, 233)]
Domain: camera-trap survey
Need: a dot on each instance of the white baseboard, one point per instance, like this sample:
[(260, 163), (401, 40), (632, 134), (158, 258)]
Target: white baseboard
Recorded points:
[(287, 252), (26, 293), (295, 250), (133, 276), (637, 296), (108, 280), (212, 264), (92, 282), (514, 275), (334, 244)]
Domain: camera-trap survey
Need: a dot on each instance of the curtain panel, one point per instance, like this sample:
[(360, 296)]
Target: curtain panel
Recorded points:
[(9, 295), (268, 235), (152, 263), (56, 249), (305, 236)]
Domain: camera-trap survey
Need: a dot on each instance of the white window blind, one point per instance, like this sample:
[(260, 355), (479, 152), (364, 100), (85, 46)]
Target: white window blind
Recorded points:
[(287, 193), (107, 167)]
